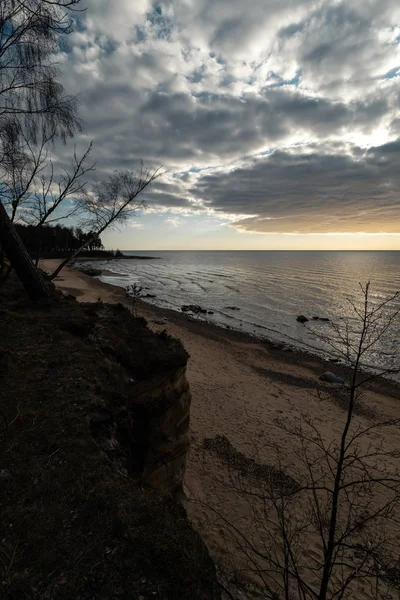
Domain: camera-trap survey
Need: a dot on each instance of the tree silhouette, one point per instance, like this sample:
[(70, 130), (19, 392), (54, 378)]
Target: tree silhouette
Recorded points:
[(32, 101), (111, 202)]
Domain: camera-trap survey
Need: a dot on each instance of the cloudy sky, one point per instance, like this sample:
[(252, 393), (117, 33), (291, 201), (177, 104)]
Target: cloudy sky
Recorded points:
[(277, 122)]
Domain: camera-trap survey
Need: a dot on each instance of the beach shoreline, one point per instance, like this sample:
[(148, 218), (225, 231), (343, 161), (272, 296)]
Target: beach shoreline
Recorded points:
[(87, 288), (242, 390)]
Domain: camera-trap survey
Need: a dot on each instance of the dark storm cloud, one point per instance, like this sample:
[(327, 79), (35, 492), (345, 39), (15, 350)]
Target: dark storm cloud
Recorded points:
[(175, 127), (311, 192), (202, 88)]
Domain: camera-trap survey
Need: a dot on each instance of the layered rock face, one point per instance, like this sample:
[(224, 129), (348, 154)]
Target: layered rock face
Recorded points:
[(160, 412), (147, 428), (149, 434)]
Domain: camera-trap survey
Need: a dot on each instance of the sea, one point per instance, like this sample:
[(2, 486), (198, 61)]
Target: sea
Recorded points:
[(263, 292)]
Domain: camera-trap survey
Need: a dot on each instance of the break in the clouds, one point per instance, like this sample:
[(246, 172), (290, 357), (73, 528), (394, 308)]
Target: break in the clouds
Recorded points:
[(279, 116)]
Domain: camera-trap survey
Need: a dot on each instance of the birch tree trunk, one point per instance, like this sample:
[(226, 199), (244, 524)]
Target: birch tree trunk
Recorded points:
[(20, 260)]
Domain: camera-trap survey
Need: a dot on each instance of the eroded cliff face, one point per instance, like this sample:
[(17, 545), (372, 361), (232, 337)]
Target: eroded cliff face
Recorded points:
[(161, 411), (146, 428), (149, 434)]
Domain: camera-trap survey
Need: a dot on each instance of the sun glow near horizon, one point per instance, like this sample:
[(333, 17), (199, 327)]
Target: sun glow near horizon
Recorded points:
[(166, 232)]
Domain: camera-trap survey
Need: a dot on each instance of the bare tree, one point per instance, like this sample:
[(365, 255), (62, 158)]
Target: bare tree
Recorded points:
[(20, 260), (31, 100), (50, 194), (30, 95), (112, 202), (343, 499), (32, 188), (134, 292), (34, 193)]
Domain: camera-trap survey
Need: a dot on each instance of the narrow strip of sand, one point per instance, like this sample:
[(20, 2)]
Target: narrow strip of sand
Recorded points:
[(240, 388)]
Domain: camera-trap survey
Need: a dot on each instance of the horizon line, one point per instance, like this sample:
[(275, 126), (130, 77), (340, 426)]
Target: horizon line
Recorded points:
[(256, 250)]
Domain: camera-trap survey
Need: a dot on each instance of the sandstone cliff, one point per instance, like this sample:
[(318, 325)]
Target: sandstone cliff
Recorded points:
[(146, 429)]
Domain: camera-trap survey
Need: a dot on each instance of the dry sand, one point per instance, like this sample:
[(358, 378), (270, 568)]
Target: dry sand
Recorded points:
[(240, 388)]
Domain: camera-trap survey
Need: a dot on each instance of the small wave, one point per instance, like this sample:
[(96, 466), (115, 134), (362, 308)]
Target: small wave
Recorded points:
[(271, 288)]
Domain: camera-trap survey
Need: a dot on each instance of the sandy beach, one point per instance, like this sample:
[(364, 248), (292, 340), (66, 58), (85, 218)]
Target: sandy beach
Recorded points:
[(241, 389)]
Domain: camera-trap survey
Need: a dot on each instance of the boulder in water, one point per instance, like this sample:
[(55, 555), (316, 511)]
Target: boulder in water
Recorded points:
[(302, 319), (331, 377), (194, 308), (232, 307)]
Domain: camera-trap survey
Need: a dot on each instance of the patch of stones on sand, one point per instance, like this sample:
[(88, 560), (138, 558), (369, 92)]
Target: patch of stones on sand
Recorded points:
[(196, 309)]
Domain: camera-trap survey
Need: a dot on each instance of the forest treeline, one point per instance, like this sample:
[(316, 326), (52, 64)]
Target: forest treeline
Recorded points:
[(57, 240)]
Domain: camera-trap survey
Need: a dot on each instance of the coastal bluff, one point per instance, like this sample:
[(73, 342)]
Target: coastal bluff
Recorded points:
[(146, 427), (94, 436)]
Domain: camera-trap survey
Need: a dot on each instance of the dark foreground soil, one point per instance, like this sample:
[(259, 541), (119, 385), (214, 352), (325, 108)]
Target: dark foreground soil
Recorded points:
[(73, 525)]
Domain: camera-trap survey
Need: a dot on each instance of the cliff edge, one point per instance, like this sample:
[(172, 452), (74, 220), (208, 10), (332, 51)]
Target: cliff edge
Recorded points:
[(94, 434)]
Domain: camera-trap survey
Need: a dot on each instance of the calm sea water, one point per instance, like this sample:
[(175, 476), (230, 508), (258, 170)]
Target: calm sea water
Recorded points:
[(270, 289)]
